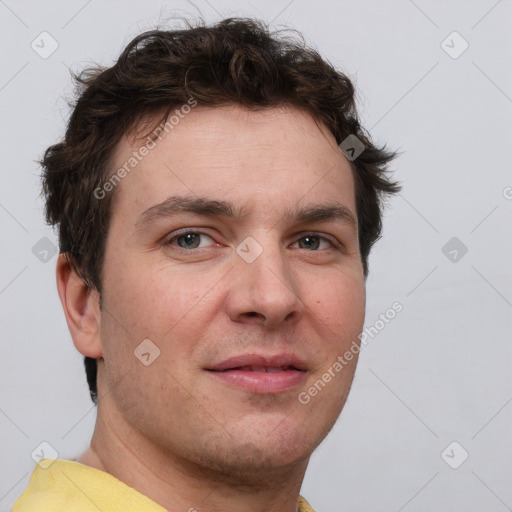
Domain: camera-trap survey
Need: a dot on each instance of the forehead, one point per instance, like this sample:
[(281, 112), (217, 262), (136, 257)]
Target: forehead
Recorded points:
[(271, 155)]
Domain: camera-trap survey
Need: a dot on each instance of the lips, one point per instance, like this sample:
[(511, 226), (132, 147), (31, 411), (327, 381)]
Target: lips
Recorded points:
[(259, 362), (265, 369), (261, 374)]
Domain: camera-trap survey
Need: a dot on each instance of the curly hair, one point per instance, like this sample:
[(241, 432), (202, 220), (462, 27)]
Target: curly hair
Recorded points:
[(235, 61)]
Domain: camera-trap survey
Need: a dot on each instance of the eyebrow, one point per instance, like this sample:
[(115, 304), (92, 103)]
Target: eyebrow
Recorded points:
[(216, 208)]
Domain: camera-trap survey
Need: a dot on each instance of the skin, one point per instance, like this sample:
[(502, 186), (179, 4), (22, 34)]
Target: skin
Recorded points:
[(172, 430)]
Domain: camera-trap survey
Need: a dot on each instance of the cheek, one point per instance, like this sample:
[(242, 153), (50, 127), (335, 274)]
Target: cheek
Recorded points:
[(338, 308), (165, 304), (338, 301), (149, 300), (162, 306)]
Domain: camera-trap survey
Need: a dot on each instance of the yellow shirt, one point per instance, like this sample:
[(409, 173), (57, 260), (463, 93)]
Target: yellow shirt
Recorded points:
[(68, 486)]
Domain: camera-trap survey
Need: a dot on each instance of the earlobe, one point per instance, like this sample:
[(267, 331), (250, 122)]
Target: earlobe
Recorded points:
[(81, 307)]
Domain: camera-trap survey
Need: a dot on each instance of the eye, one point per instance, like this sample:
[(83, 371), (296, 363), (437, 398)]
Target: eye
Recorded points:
[(190, 240), (314, 242)]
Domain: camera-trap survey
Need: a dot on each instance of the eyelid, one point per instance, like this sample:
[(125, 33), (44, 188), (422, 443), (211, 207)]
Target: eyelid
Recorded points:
[(200, 231), (330, 238), (180, 232)]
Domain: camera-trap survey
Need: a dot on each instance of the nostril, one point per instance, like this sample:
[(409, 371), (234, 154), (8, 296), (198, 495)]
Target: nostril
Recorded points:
[(255, 314)]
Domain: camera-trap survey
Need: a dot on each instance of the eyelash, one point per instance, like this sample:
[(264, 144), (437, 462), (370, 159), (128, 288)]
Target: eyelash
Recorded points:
[(335, 244)]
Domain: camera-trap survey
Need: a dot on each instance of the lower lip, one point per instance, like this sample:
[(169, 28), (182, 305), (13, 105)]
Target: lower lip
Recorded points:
[(262, 382)]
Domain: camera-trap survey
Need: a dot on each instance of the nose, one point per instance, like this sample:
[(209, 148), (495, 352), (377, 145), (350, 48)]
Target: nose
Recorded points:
[(264, 291)]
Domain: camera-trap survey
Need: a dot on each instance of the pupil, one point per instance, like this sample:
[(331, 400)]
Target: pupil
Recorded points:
[(190, 241)]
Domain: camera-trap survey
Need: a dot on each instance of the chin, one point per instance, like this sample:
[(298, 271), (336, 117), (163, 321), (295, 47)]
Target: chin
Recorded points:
[(249, 453), (247, 464), (272, 450)]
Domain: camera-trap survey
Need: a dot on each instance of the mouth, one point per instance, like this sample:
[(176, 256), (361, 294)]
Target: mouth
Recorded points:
[(260, 374), (260, 369)]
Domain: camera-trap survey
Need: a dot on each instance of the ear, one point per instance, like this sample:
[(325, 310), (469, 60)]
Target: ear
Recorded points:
[(82, 309)]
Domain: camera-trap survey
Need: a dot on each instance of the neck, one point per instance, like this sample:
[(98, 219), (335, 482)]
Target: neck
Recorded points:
[(177, 484)]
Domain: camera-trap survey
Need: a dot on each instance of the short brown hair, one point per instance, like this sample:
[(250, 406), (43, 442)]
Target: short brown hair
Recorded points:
[(235, 61)]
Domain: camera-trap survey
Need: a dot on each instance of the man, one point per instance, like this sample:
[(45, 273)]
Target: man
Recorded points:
[(214, 245)]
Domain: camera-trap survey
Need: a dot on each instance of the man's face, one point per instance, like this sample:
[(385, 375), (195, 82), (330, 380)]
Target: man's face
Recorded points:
[(269, 273)]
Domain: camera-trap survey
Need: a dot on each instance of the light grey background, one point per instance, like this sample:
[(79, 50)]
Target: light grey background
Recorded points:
[(439, 372)]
